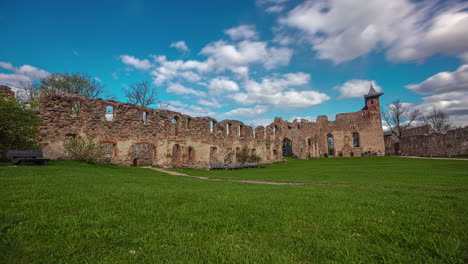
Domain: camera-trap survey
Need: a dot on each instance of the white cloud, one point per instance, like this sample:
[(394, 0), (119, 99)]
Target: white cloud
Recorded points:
[(409, 30), (221, 56), (192, 110), (278, 91), (444, 82), (180, 89), (274, 9), (448, 91), (232, 56), (248, 112), (180, 45), (259, 122), (464, 57), (211, 103), (25, 73), (356, 88), (135, 62), (298, 118), (242, 32), (222, 85), (278, 57)]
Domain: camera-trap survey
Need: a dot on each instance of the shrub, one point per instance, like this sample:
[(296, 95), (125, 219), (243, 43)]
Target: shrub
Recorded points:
[(85, 149), (255, 158), (244, 156)]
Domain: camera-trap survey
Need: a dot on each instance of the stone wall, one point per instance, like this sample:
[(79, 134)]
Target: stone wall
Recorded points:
[(7, 92), (134, 135), (453, 142), (420, 141)]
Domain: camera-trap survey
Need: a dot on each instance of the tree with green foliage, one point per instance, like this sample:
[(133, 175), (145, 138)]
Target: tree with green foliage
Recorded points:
[(18, 126), (77, 83)]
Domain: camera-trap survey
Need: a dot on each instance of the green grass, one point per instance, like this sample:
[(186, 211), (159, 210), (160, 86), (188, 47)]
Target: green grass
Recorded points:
[(381, 171), (384, 210)]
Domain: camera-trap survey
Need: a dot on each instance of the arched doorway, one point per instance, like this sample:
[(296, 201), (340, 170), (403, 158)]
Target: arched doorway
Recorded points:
[(142, 154), (287, 148), (176, 154)]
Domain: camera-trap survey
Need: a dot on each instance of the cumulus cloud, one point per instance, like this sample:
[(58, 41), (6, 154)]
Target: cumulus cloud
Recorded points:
[(221, 56), (23, 74), (272, 6), (222, 85), (448, 92), (181, 90), (135, 62), (356, 88), (247, 112), (180, 45), (443, 82), (409, 30), (242, 32), (259, 122), (191, 110), (279, 91), (210, 103)]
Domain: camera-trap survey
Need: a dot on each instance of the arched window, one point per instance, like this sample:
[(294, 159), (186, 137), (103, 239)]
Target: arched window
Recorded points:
[(144, 118), (75, 108), (331, 145), (109, 113), (356, 142), (175, 121), (189, 123), (212, 123), (240, 130), (228, 129)]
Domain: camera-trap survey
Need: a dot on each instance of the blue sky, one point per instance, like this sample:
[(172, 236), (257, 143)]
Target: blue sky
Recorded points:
[(249, 60)]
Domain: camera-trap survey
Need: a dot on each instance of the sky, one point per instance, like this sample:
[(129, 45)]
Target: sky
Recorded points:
[(249, 60)]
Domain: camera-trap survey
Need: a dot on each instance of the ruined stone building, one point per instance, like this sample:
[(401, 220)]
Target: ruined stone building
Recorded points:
[(134, 135)]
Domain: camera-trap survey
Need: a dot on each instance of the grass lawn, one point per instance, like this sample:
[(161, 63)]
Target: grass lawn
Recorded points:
[(382, 210)]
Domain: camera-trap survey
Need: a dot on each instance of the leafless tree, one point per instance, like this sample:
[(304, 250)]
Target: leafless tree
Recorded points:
[(29, 93), (141, 93), (438, 119), (400, 117), (164, 105)]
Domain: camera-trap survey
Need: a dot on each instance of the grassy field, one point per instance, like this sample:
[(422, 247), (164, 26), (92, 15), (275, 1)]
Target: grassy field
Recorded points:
[(381, 210)]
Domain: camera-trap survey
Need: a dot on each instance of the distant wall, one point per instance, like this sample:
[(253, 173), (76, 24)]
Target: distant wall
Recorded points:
[(420, 141), (454, 142)]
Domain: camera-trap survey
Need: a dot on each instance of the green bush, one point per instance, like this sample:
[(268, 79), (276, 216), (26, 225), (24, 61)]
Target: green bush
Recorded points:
[(18, 126), (85, 149)]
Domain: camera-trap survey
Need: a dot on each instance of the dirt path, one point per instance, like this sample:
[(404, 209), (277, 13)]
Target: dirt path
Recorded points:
[(416, 157), (175, 173)]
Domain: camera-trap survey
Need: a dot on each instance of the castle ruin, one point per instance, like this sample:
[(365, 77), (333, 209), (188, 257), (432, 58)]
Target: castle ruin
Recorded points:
[(135, 135)]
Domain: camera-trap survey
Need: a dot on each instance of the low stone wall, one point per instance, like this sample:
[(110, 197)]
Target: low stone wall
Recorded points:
[(454, 142)]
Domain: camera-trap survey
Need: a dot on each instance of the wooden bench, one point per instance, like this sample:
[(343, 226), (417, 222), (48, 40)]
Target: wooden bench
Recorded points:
[(22, 157), (250, 165), (233, 166), (217, 166)]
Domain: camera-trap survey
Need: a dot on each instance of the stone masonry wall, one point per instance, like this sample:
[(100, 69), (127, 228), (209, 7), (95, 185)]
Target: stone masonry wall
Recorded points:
[(173, 139), (453, 142)]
